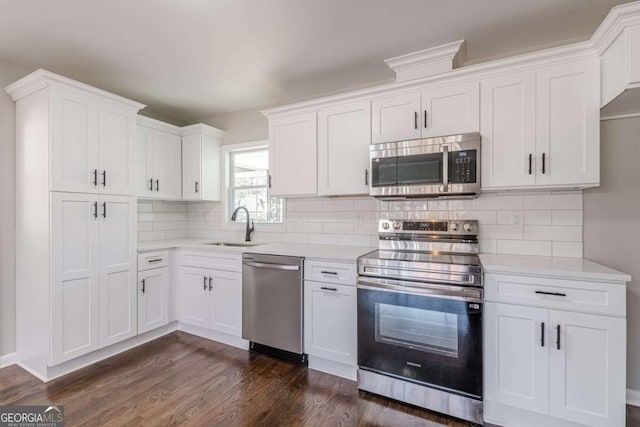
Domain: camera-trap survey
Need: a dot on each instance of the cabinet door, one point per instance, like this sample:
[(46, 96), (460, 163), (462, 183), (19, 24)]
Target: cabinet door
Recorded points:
[(118, 268), (330, 321), (75, 276), (344, 135), (210, 168), (292, 155), (396, 118), (74, 141), (194, 296), (451, 110), (516, 357), (568, 124), (116, 149), (143, 172), (153, 299), (166, 165), (587, 371), (507, 126), (191, 167), (226, 302)]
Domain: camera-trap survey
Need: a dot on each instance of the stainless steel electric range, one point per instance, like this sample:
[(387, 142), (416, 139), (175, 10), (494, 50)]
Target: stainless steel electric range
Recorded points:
[(420, 316)]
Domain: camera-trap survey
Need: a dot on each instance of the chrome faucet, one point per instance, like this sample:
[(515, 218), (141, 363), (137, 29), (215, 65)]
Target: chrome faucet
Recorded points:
[(247, 237)]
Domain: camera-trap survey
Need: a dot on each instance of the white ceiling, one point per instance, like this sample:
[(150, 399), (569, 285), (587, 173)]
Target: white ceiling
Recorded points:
[(195, 58)]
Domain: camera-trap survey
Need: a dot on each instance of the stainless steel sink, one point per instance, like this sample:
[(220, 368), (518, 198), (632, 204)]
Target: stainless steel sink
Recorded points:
[(233, 244)]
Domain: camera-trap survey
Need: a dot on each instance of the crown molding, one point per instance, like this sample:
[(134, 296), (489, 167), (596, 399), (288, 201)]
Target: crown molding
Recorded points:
[(159, 125), (428, 62), (618, 18), (523, 62), (204, 129), (42, 78)]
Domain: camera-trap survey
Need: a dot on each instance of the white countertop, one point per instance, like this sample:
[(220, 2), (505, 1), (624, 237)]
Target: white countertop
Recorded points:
[(564, 268), (311, 251)]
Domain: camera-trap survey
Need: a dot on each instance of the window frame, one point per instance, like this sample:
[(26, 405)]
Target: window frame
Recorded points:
[(228, 151)]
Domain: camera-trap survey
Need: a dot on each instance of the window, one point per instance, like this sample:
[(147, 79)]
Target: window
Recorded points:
[(249, 186)]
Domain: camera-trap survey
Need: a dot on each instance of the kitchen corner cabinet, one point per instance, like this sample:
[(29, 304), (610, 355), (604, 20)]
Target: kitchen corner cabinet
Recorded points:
[(330, 309), (540, 128), (92, 143), (201, 164), (436, 111), (293, 155), (548, 357), (159, 160), (344, 135)]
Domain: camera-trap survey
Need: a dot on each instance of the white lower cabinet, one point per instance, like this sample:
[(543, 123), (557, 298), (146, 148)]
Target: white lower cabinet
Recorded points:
[(330, 312), (566, 366), (211, 299), (153, 299)]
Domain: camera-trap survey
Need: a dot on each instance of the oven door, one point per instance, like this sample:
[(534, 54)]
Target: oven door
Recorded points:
[(428, 334)]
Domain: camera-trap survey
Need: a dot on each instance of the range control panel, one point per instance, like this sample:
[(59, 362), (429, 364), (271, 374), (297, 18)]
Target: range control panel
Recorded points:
[(456, 227)]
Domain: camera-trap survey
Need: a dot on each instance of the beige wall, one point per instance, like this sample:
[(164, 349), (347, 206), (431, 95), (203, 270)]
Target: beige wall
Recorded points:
[(9, 73), (243, 126), (612, 222)]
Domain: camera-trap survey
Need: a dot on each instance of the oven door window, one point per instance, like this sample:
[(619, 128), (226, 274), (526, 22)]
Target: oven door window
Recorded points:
[(417, 329), (423, 339), (420, 169)]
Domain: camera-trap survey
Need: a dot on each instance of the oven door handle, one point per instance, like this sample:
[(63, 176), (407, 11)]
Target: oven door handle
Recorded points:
[(423, 289)]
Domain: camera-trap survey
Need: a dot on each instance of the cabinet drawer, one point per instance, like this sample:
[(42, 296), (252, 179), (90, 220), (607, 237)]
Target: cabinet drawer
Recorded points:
[(154, 259), (571, 295), (214, 260), (333, 272)]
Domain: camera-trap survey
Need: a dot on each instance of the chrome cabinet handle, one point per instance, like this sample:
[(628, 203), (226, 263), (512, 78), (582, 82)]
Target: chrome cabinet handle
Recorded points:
[(325, 288), (95, 177), (555, 294), (205, 283), (95, 209), (143, 283), (157, 185), (542, 334), (558, 337), (530, 163), (104, 178), (104, 210), (150, 184)]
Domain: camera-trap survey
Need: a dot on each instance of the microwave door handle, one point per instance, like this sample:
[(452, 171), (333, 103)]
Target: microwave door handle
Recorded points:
[(445, 168)]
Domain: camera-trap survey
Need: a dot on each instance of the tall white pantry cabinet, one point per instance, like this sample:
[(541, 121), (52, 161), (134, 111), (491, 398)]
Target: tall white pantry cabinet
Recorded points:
[(76, 225)]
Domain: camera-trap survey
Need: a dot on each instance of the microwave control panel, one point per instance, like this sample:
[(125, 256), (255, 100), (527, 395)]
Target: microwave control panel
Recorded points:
[(463, 167)]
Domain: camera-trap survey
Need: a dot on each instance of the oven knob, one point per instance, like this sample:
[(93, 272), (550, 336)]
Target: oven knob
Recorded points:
[(397, 225), (385, 225), (455, 226), (468, 228)]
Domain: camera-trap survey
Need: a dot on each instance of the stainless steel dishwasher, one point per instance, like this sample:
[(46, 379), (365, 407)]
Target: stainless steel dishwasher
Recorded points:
[(272, 297)]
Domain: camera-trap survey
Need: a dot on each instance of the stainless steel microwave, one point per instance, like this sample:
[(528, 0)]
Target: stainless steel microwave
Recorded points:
[(447, 166)]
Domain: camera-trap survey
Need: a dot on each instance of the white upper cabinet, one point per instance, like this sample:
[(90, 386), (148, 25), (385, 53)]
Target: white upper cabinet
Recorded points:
[(293, 154), (507, 128), (344, 135), (395, 118), (587, 369), (116, 149), (159, 160), (74, 141), (450, 110), (201, 167), (568, 124)]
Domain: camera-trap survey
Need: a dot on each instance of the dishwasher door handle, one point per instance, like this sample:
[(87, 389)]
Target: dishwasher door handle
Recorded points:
[(273, 266)]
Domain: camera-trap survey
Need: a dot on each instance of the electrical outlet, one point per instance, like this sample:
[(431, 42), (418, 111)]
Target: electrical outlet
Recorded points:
[(516, 219)]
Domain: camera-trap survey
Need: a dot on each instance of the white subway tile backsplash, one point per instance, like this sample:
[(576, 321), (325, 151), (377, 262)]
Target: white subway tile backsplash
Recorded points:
[(550, 222)]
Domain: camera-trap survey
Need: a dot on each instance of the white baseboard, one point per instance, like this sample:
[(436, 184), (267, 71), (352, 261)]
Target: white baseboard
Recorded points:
[(8, 359), (633, 397)]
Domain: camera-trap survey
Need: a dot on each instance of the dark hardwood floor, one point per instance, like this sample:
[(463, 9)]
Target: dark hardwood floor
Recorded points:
[(185, 380)]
